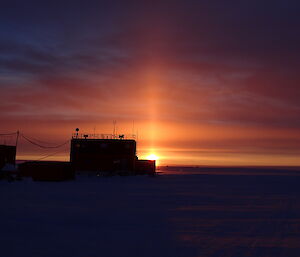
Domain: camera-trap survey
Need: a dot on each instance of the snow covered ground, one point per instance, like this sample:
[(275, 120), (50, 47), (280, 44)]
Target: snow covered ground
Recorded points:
[(181, 212)]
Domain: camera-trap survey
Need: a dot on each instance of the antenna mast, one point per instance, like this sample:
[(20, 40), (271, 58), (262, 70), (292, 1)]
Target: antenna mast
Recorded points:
[(114, 131), (17, 140)]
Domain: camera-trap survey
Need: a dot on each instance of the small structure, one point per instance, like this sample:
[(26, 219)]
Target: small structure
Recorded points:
[(7, 155), (47, 170), (145, 167)]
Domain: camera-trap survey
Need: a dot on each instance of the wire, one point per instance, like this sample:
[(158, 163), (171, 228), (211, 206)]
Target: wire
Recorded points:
[(49, 155), (37, 140), (9, 134), (43, 146), (32, 141)]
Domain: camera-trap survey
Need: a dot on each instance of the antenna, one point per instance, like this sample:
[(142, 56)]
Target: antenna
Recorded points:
[(136, 140), (17, 140), (18, 132), (114, 131)]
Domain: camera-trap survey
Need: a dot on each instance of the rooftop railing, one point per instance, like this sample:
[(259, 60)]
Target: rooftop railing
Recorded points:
[(103, 136)]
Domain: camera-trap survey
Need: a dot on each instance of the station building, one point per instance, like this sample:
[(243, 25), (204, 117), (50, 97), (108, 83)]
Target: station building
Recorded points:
[(107, 153)]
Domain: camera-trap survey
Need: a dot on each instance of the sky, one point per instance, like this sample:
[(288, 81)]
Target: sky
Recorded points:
[(200, 82)]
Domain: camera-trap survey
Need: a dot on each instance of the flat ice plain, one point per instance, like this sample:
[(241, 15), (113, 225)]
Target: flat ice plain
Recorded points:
[(225, 212)]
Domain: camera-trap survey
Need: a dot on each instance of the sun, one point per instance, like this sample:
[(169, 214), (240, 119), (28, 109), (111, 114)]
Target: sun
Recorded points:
[(152, 157)]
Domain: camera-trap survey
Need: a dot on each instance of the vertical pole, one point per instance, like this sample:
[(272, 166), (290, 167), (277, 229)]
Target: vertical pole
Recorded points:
[(114, 132), (136, 140), (17, 140)]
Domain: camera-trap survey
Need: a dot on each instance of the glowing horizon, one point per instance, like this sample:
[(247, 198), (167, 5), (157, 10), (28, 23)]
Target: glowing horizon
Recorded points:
[(214, 156)]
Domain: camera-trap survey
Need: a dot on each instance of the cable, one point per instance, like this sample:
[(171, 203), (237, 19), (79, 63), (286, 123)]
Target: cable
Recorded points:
[(37, 140), (42, 146), (9, 134), (49, 155), (32, 141)]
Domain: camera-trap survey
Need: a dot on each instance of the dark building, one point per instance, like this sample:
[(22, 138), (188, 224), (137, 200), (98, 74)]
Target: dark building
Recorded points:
[(145, 167), (7, 155), (47, 170), (109, 155)]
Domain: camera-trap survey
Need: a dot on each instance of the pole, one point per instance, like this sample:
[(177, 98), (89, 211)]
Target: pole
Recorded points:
[(17, 140)]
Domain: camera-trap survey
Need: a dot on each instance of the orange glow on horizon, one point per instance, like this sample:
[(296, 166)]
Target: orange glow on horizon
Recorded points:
[(153, 157), (171, 145)]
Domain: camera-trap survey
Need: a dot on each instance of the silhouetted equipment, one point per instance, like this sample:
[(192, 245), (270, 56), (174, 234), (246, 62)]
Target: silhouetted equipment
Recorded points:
[(47, 170), (7, 155)]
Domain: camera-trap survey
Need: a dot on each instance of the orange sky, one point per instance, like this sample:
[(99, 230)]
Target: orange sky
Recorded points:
[(178, 143)]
